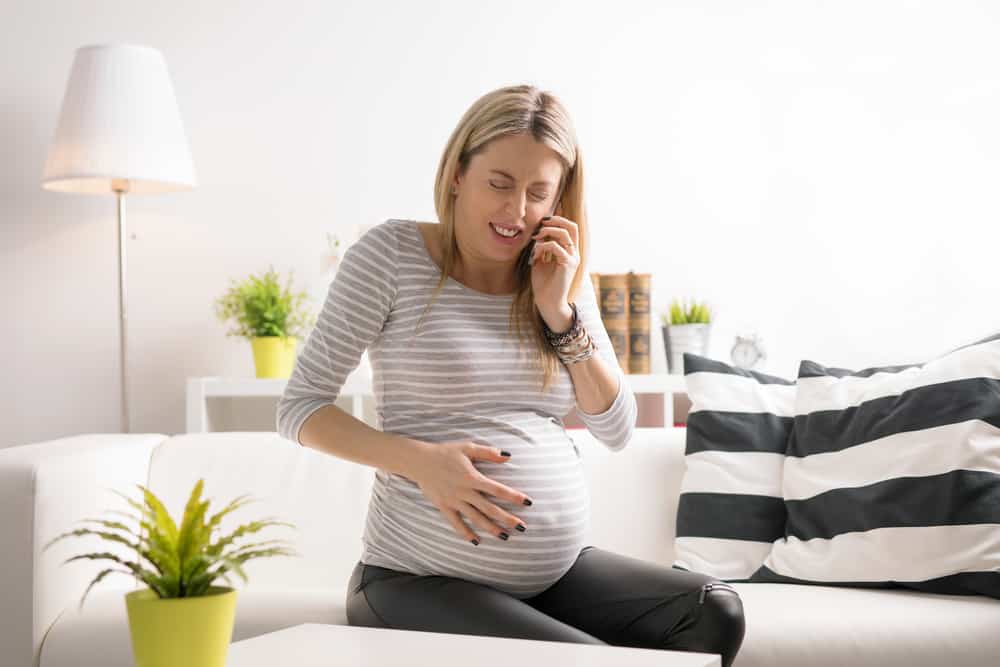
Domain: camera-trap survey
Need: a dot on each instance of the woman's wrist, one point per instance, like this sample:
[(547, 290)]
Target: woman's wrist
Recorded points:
[(574, 344), (559, 321), (412, 453)]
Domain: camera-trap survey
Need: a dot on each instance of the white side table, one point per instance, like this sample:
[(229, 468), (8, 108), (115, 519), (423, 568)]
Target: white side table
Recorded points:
[(322, 645)]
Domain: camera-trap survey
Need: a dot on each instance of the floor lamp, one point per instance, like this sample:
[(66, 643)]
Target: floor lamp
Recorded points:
[(119, 132)]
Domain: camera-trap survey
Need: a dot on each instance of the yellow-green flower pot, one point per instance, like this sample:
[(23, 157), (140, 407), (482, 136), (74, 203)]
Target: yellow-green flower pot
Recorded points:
[(273, 356), (167, 632)]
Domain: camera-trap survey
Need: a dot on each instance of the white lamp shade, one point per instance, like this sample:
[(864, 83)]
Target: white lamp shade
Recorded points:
[(119, 122)]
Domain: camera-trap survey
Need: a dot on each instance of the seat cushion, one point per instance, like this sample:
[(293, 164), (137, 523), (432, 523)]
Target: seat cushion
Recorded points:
[(98, 635), (827, 626)]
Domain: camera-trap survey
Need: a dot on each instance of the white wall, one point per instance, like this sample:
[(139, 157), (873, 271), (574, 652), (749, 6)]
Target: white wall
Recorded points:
[(823, 172)]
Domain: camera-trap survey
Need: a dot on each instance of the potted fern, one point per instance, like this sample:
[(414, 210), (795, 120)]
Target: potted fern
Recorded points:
[(182, 617), (685, 329), (272, 317)]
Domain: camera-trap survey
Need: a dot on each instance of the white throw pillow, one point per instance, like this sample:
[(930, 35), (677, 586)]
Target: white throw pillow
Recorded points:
[(892, 477), (730, 509)]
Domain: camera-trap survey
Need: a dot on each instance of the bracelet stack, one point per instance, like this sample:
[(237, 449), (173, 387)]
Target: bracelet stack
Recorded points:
[(573, 345)]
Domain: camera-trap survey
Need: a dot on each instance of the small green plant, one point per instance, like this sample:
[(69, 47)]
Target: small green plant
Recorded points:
[(184, 560), (261, 307), (694, 313)]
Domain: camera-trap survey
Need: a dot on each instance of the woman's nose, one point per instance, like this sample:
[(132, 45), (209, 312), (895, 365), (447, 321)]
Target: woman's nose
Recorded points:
[(519, 200)]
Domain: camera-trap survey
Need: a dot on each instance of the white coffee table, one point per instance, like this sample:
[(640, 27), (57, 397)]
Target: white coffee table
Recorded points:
[(321, 645)]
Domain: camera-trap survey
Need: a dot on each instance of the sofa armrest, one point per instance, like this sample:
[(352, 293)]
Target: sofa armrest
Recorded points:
[(45, 489)]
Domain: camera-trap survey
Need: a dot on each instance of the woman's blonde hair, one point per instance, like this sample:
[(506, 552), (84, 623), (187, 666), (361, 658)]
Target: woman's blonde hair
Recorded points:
[(512, 110)]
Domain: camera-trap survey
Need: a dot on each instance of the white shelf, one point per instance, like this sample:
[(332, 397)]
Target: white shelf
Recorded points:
[(656, 383), (358, 385)]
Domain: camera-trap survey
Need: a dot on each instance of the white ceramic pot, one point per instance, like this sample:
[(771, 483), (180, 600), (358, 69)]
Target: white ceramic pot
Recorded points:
[(681, 338)]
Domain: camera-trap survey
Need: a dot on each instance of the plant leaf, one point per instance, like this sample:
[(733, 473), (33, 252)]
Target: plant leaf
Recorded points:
[(252, 527), (163, 521), (145, 575), (191, 537), (96, 579), (216, 518)]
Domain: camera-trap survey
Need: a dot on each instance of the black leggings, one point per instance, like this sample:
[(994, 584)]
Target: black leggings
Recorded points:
[(604, 598)]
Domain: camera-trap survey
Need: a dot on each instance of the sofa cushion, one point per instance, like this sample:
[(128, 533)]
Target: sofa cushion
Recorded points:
[(730, 508), (826, 626), (893, 476)]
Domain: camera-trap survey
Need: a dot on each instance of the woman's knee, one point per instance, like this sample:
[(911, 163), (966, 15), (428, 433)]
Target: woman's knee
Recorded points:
[(721, 624)]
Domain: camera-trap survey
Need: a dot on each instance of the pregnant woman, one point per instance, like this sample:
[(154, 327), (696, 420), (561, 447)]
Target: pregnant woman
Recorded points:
[(482, 331)]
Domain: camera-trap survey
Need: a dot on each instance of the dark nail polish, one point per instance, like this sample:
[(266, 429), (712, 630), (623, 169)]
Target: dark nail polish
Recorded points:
[(520, 527), (548, 217), (527, 501), (504, 536), (504, 452), (474, 541)]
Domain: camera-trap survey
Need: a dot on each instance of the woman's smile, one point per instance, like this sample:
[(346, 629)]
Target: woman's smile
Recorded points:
[(503, 235)]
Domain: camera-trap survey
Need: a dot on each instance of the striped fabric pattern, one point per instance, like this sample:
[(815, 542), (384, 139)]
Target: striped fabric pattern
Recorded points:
[(460, 376), (893, 477), (730, 509)]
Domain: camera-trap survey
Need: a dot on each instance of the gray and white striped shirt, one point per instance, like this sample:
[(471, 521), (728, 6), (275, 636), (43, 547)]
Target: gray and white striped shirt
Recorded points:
[(460, 377)]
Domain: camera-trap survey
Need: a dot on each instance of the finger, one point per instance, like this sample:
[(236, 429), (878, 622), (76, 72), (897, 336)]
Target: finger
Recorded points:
[(550, 249), (564, 241), (463, 530), (564, 223), (554, 233), (498, 515), (486, 453), (483, 521), (565, 244), (501, 491)]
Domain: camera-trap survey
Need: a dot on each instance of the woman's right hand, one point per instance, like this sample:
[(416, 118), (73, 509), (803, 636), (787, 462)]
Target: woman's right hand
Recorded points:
[(448, 479)]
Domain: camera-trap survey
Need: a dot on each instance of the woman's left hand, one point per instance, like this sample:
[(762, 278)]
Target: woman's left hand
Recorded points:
[(551, 277)]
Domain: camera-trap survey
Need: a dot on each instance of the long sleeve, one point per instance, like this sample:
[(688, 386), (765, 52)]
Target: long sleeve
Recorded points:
[(355, 310), (613, 427)]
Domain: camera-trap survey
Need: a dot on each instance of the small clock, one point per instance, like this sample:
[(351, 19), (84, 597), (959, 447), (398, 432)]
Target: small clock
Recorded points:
[(747, 351)]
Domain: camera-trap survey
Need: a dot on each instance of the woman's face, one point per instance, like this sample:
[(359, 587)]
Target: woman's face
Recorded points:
[(512, 184)]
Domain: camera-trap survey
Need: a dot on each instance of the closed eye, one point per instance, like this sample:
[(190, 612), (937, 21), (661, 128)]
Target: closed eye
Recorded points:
[(504, 187)]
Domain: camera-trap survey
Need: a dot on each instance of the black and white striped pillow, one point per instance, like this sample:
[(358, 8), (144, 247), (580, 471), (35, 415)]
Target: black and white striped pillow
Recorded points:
[(892, 478), (730, 509)]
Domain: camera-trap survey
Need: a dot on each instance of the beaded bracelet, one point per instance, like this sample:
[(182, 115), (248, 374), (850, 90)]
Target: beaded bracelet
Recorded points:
[(573, 345)]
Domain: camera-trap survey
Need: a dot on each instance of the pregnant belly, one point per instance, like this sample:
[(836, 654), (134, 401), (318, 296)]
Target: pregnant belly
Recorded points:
[(411, 533)]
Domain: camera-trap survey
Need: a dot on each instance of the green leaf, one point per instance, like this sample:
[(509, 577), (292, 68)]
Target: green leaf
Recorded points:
[(686, 312), (192, 535), (111, 537), (246, 529), (234, 505), (96, 579), (140, 572), (234, 562), (165, 525)]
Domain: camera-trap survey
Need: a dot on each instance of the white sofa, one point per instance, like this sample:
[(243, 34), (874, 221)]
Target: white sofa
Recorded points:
[(46, 487)]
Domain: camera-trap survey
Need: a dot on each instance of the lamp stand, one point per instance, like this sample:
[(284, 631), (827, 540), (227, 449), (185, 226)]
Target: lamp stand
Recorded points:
[(120, 188)]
